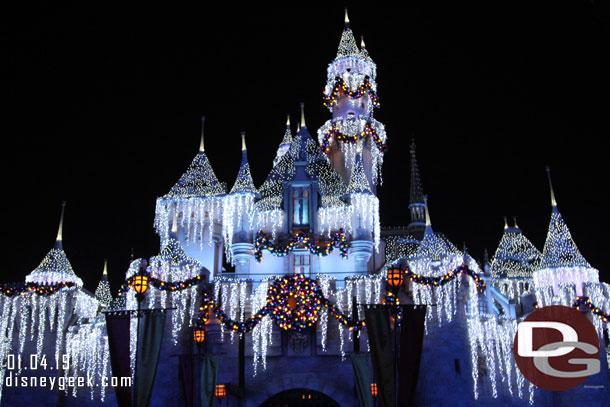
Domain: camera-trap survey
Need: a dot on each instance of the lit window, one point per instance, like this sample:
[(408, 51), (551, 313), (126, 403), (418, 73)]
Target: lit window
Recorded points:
[(300, 209), (302, 264)]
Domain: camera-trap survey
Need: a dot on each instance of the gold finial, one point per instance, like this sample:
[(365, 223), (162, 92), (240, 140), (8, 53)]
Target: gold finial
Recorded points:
[(505, 223), (515, 221), (288, 120), (303, 115), (201, 148), (175, 223), (298, 127), (428, 222), (61, 223), (346, 19), (243, 141), (362, 42), (548, 174), (105, 273)]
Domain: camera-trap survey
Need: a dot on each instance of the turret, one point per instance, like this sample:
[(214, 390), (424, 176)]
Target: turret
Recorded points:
[(562, 262), (351, 95), (416, 200)]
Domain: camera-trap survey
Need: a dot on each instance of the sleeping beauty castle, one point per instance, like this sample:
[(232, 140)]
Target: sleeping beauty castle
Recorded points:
[(292, 294)]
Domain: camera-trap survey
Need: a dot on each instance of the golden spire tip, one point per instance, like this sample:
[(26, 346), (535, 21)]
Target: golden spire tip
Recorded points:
[(243, 141), (346, 19), (105, 273), (201, 147), (505, 223), (288, 120), (548, 174), (61, 223), (303, 115)]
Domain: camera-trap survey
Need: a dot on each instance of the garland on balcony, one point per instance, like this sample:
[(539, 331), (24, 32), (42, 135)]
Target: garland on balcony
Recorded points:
[(442, 280), (293, 302), (35, 288), (369, 130), (262, 242), (365, 87), (578, 301), (162, 285)]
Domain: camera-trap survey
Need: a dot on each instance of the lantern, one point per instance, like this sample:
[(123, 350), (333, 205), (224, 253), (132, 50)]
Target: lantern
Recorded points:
[(374, 389), (140, 283), (199, 335), (395, 277), (221, 391)]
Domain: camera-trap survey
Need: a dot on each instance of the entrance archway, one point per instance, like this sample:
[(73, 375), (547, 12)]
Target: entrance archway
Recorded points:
[(300, 398)]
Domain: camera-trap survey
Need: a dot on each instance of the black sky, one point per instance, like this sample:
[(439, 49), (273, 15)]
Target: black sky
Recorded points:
[(104, 105)]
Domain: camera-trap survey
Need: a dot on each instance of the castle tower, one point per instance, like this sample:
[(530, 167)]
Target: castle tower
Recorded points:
[(562, 262), (196, 200), (417, 203), (55, 268), (351, 95), (238, 215)]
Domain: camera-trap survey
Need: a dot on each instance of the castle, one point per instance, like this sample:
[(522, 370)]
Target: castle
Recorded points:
[(316, 216)]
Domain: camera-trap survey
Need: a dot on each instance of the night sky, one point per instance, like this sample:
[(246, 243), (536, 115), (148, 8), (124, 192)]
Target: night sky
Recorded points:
[(104, 107)]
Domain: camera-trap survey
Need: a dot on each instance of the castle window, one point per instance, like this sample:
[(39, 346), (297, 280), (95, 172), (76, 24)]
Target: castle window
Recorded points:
[(300, 206), (302, 264)]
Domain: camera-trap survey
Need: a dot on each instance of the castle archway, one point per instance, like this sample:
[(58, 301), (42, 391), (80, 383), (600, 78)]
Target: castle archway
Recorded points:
[(300, 398)]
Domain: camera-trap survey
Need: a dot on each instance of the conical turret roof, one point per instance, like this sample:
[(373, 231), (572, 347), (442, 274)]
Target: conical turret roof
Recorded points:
[(358, 183), (559, 248), (199, 180), (102, 292), (347, 45), (55, 267), (515, 256), (244, 183)]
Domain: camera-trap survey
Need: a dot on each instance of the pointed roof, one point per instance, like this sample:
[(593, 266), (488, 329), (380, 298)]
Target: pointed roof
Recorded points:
[(434, 246), (55, 267), (172, 252), (416, 194), (559, 248), (102, 292), (288, 134), (363, 51), (304, 151), (244, 183), (515, 256), (347, 45), (358, 183), (199, 180)]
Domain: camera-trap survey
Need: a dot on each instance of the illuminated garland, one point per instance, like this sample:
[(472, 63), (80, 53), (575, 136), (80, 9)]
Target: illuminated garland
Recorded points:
[(442, 280), (337, 241), (365, 87), (162, 285), (294, 302), (40, 289), (578, 301), (342, 138)]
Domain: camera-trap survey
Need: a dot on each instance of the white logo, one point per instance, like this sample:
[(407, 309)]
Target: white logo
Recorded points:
[(525, 333)]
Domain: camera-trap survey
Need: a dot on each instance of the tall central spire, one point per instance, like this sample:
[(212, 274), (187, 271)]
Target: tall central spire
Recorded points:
[(416, 199)]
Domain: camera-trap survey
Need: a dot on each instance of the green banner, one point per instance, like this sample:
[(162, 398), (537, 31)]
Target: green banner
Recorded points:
[(362, 376), (148, 355), (382, 356), (207, 385)]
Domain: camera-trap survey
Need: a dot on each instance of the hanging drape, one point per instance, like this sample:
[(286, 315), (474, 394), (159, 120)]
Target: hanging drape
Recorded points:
[(117, 326), (149, 350), (362, 376), (382, 355), (411, 344), (186, 375), (207, 385)]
